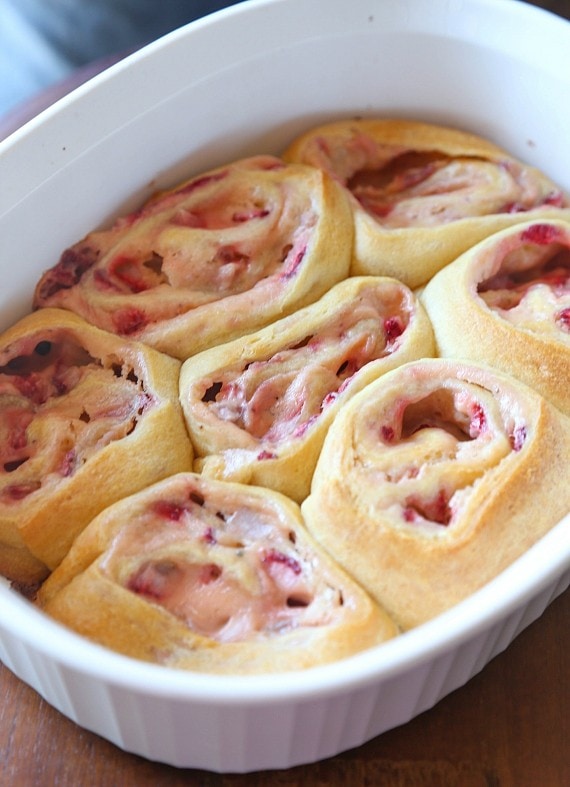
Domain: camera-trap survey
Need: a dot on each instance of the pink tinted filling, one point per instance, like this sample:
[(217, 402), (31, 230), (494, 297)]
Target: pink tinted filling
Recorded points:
[(464, 420), (384, 179), (201, 588), (539, 263), (283, 396), (206, 266), (41, 381)]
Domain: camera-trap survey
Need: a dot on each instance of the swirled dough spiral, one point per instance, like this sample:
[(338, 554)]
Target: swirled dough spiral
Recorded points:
[(211, 576), (506, 302), (434, 478), (258, 408), (85, 419), (217, 257), (422, 193)]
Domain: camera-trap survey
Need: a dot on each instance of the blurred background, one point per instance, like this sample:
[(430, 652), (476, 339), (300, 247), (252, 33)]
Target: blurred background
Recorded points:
[(49, 47)]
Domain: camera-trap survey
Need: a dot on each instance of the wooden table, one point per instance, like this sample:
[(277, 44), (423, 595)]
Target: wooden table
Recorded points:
[(508, 727)]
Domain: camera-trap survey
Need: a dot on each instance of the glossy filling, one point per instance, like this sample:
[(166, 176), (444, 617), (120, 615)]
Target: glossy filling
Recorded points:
[(216, 236), (401, 188), (531, 288), (429, 450), (58, 406), (229, 571), (280, 397)]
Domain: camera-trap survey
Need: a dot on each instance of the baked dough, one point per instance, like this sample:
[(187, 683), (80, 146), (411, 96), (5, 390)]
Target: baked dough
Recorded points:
[(200, 574), (507, 302), (434, 478), (85, 419), (258, 408), (421, 193), (215, 258)]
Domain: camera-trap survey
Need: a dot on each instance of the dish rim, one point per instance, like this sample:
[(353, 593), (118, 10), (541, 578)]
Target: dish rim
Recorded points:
[(546, 562), (543, 564)]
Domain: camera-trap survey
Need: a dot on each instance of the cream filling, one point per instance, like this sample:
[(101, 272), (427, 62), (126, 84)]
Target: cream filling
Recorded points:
[(278, 398), (219, 236), (531, 290), (229, 573), (422, 452), (403, 188), (59, 406)]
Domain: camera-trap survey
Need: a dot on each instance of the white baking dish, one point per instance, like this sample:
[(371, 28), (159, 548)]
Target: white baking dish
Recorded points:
[(243, 81)]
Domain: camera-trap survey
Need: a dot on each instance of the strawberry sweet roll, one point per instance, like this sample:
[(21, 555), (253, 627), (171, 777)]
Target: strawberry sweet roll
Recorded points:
[(257, 409), (434, 478), (507, 302), (217, 257), (199, 574), (422, 194), (85, 419)]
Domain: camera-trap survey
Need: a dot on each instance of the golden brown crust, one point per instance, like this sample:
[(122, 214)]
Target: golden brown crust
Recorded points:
[(217, 257), (85, 446), (258, 409), (98, 591), (492, 189), (434, 479), (420, 505), (516, 324), (394, 132), (16, 561)]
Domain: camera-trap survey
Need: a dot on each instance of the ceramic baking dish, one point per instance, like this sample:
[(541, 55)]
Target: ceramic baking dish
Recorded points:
[(243, 81)]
